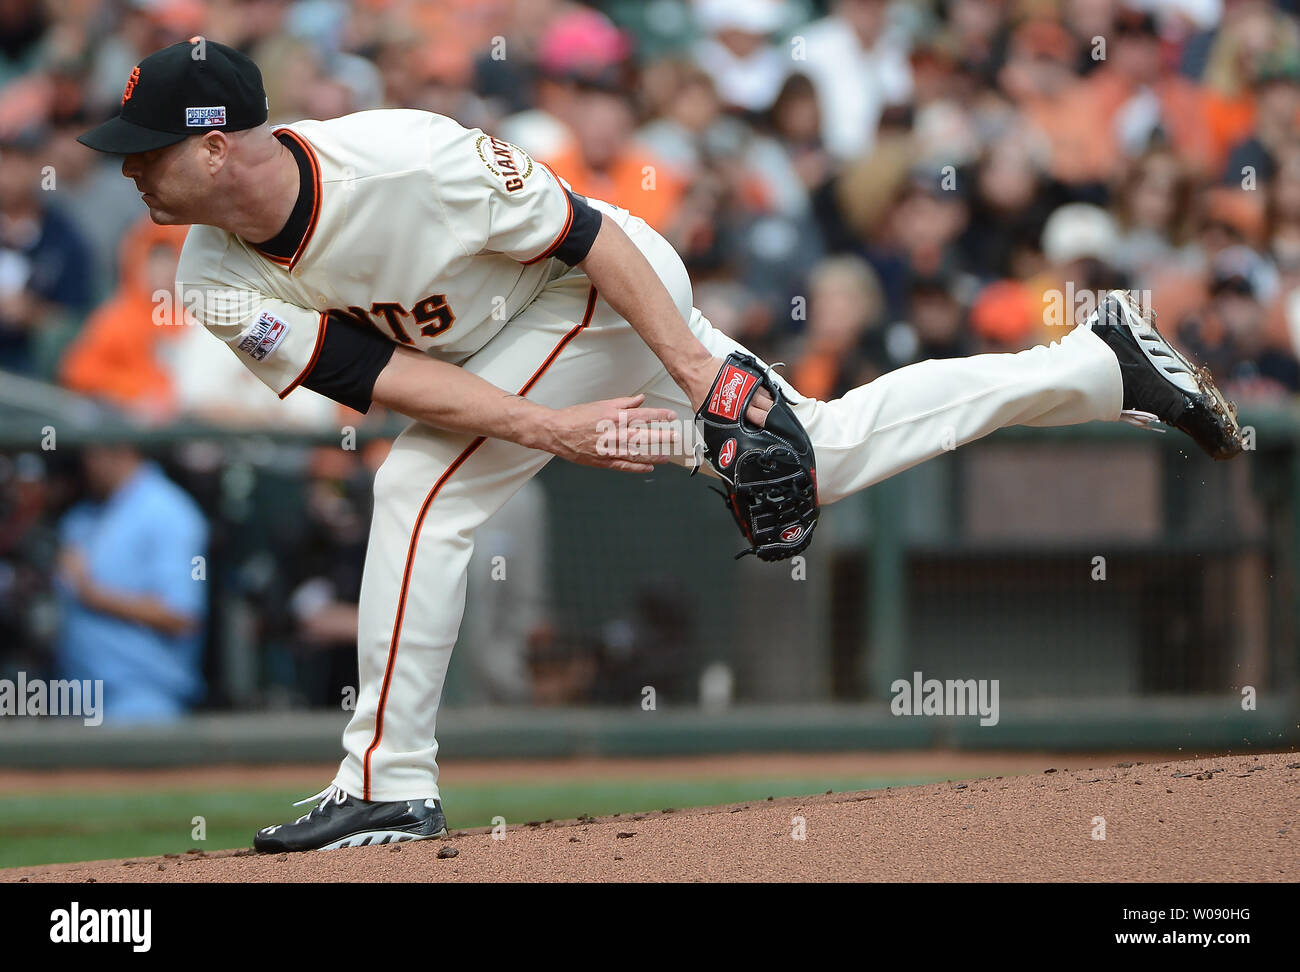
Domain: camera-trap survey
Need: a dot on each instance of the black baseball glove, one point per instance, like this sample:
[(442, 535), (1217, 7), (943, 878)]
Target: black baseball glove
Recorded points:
[(770, 472)]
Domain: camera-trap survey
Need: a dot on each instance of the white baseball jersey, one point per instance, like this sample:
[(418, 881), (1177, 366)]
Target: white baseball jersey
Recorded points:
[(433, 234)]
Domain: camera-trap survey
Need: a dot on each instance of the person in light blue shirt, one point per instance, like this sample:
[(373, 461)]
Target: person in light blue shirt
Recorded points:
[(132, 588)]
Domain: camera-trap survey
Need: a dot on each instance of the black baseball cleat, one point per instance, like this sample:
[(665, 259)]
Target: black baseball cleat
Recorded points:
[(1159, 383), (339, 820)]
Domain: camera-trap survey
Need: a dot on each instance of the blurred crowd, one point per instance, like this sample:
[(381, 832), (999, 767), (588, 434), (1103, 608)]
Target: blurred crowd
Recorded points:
[(854, 184)]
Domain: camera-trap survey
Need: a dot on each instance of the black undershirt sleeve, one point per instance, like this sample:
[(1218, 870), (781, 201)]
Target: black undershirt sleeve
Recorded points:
[(575, 246), (351, 357)]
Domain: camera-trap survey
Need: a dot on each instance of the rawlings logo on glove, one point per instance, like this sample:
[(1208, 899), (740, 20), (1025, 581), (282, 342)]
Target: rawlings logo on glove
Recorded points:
[(730, 389), (770, 472)]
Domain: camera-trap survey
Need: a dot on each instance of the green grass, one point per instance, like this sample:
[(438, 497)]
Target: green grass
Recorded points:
[(45, 828)]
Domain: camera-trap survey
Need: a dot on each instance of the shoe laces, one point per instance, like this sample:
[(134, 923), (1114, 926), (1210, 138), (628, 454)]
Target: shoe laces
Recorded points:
[(1143, 420), (332, 793)]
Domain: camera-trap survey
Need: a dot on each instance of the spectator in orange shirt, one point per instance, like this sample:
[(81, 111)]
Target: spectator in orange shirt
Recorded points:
[(1251, 34), (603, 161), (1253, 160), (116, 355), (585, 122), (1141, 103), (1039, 77), (1004, 317)]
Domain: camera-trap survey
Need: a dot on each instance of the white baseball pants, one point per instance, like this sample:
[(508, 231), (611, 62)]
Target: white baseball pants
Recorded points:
[(567, 347)]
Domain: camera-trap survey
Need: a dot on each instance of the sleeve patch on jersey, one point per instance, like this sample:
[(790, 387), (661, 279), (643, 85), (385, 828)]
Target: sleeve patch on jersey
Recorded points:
[(263, 337), (507, 162)]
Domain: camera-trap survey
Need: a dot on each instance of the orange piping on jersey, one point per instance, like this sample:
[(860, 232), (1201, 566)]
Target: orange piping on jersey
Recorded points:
[(316, 202), (401, 609), (568, 220), (586, 318), (315, 353), (415, 537)]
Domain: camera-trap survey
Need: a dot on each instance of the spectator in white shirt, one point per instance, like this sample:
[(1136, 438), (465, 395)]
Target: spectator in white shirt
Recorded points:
[(747, 69), (859, 67)]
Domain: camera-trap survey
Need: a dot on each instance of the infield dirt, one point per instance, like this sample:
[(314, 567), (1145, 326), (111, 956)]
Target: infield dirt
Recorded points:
[(1231, 818)]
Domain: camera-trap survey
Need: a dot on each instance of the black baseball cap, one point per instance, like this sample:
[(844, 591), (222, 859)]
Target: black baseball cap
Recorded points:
[(187, 89)]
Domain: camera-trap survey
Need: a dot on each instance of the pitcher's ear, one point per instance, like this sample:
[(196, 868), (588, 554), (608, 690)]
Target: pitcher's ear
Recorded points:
[(216, 150)]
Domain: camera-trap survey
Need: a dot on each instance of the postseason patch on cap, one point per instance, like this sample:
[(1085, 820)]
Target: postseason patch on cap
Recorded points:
[(263, 337), (214, 117)]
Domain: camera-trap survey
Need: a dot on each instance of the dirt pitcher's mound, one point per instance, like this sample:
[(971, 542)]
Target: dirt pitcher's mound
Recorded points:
[(1233, 818)]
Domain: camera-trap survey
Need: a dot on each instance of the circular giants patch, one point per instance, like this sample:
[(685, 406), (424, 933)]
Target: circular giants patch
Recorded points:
[(508, 162)]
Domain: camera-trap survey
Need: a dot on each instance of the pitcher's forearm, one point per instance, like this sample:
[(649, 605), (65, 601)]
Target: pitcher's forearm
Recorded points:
[(447, 397), (624, 278)]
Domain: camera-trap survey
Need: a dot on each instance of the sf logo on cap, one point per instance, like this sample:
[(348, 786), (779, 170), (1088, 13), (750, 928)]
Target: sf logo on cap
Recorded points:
[(130, 85)]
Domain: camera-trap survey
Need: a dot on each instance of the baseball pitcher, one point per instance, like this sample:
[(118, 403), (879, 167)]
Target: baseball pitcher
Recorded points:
[(397, 257)]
